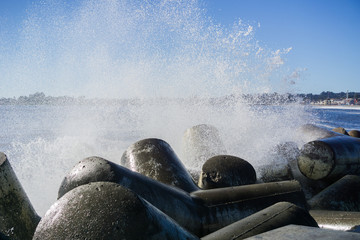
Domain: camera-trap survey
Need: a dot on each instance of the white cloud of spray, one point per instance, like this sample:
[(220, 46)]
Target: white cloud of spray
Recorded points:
[(123, 48)]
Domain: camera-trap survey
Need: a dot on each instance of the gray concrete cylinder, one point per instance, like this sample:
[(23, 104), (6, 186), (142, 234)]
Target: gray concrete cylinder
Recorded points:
[(275, 216), (228, 205), (337, 220), (330, 158), (309, 186), (155, 159), (343, 195), (200, 213), (304, 233), (174, 202), (199, 143), (18, 218), (225, 171), (311, 132), (104, 210)]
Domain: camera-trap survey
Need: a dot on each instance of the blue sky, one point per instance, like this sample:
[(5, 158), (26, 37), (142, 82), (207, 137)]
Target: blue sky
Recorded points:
[(324, 36)]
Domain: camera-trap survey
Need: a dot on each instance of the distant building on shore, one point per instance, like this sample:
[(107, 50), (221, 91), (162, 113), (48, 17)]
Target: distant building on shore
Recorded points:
[(335, 101)]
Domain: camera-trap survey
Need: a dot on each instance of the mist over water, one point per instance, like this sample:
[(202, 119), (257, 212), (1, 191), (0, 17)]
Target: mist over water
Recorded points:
[(167, 58)]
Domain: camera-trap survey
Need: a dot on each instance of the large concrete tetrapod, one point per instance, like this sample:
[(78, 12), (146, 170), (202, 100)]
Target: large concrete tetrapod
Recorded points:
[(275, 216), (311, 132), (226, 171), (228, 205), (201, 212), (337, 220), (200, 143), (156, 159), (18, 218), (343, 195), (330, 158), (108, 211), (279, 167), (354, 133), (304, 233), (174, 202)]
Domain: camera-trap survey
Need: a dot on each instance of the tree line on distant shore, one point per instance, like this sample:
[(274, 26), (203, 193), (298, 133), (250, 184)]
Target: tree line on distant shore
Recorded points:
[(329, 95), (39, 98)]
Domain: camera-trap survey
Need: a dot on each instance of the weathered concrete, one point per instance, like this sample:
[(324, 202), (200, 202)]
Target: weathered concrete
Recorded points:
[(330, 158), (337, 220), (354, 133), (195, 174), (174, 202), (275, 216), (201, 213), (275, 172), (340, 130), (104, 210), (4, 237), (311, 132), (309, 186), (304, 233), (343, 195), (18, 218), (155, 159), (288, 151), (201, 142), (227, 205), (226, 171), (279, 161), (253, 192)]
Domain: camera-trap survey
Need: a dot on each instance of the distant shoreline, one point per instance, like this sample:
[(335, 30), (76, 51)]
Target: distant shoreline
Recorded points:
[(357, 107)]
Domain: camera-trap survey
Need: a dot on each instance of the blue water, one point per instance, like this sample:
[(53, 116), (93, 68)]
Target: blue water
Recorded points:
[(348, 118)]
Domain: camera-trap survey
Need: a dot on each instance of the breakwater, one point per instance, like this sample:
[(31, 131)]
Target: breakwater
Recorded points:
[(151, 195)]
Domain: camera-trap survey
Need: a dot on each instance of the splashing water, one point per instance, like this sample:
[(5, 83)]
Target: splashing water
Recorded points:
[(167, 58)]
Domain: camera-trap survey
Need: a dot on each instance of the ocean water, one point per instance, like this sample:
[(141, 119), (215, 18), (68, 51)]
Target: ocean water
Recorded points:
[(337, 116)]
